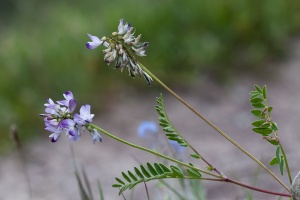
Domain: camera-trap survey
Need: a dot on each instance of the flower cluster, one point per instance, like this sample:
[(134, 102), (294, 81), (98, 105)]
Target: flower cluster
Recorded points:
[(120, 49), (59, 118)]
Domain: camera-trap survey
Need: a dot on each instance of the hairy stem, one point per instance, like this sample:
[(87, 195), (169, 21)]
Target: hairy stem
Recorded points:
[(214, 127)]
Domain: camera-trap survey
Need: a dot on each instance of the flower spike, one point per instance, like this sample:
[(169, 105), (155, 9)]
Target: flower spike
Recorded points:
[(121, 48)]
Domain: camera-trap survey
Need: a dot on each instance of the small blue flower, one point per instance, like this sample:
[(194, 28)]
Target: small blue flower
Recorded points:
[(177, 148), (147, 128)]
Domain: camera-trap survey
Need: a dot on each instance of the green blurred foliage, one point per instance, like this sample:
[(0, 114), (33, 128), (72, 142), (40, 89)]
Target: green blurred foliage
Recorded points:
[(43, 50)]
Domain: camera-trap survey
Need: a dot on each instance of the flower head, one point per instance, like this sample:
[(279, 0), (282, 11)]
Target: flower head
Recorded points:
[(59, 118), (121, 48)]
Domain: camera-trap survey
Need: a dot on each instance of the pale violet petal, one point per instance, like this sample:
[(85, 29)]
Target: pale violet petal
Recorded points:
[(95, 42)]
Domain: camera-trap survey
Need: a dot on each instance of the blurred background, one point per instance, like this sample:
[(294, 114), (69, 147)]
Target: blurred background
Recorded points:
[(43, 50)]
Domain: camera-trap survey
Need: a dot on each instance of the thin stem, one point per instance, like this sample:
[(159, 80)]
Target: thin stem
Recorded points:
[(286, 163), (147, 192), (242, 185), (256, 189), (214, 126), (150, 151)]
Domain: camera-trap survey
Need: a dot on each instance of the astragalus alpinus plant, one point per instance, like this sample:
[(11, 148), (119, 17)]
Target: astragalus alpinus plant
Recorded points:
[(122, 49)]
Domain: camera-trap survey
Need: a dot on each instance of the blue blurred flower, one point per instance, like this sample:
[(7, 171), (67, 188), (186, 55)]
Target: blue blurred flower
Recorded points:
[(177, 148), (147, 128)]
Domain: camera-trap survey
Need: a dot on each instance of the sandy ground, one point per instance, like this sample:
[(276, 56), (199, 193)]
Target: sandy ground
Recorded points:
[(52, 171)]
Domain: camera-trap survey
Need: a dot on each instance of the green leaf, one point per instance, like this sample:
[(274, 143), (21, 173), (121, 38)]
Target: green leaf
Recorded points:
[(164, 168), (257, 105), (278, 153), (255, 96), (254, 93), (116, 185), (163, 120), (193, 173), (163, 124), (274, 126), (209, 168), (176, 170), (274, 142), (258, 89), (120, 181), (256, 100), (194, 155), (257, 113), (137, 171), (151, 169), (259, 123), (132, 176), (263, 131), (126, 177), (169, 129), (145, 172), (274, 161), (270, 108), (264, 92), (281, 165), (158, 168)]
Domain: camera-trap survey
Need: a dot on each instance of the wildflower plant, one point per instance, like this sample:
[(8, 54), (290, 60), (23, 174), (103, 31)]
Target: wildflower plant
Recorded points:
[(122, 47)]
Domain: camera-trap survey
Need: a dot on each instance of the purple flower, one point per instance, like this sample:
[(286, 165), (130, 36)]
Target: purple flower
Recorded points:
[(85, 116), (55, 130), (147, 128), (95, 42), (51, 107), (74, 134), (59, 118), (69, 101)]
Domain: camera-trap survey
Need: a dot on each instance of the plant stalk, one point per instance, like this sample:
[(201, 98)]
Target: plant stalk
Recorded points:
[(151, 151), (214, 127)]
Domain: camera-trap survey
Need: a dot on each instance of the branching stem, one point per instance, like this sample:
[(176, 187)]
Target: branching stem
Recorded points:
[(214, 127), (217, 178)]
